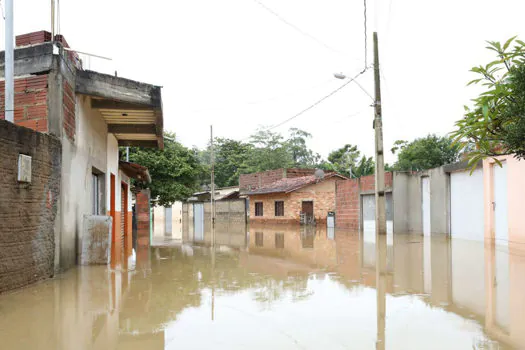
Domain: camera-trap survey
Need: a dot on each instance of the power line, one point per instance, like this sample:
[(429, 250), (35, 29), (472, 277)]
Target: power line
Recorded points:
[(318, 102), (282, 19), (366, 35)]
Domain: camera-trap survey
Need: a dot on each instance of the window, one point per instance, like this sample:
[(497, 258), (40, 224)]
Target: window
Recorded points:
[(259, 239), (279, 208), (97, 192), (258, 209)]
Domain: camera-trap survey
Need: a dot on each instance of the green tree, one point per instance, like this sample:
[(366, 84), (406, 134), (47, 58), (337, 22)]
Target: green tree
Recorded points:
[(174, 171), (231, 158), (268, 151), (348, 161), (425, 153), (495, 125), (302, 156)]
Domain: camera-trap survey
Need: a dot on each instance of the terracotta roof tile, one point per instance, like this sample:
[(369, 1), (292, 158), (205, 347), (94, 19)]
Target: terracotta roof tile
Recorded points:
[(287, 185)]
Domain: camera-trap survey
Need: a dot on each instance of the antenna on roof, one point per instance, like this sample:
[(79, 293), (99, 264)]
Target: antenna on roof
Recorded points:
[(319, 174)]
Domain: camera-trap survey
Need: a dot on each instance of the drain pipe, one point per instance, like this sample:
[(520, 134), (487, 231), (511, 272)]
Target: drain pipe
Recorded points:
[(9, 63)]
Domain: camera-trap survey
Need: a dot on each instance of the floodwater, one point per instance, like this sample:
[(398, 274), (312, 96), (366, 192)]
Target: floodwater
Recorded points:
[(281, 287)]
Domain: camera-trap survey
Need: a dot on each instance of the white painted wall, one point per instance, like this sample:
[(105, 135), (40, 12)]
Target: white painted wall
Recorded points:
[(88, 150), (467, 205), (112, 168), (160, 221)]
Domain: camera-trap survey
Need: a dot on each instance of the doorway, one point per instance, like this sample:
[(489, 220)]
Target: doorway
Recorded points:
[(307, 212), (124, 224)]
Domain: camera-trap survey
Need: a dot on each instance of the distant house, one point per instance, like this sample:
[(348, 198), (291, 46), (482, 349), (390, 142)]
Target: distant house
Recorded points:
[(289, 200), (253, 181), (224, 193)]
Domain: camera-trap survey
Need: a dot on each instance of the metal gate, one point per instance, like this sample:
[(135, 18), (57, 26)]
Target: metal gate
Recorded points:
[(467, 219), (425, 203), (168, 215), (198, 222)]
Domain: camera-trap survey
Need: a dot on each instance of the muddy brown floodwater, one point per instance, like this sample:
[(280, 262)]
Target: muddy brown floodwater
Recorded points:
[(280, 287)]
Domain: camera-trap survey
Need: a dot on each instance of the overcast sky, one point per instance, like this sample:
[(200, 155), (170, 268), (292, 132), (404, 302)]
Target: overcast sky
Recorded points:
[(240, 65)]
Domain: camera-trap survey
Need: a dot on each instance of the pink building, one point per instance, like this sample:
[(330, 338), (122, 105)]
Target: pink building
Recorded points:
[(504, 197)]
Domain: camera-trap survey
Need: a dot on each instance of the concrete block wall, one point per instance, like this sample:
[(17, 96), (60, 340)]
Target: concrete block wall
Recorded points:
[(29, 229)]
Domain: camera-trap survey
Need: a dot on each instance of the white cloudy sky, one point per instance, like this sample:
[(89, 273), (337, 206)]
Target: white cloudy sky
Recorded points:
[(233, 64)]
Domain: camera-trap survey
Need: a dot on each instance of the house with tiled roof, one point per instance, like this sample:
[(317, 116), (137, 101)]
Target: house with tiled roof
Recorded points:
[(294, 200)]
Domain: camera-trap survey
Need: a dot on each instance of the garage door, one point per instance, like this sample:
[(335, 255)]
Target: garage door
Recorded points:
[(466, 205)]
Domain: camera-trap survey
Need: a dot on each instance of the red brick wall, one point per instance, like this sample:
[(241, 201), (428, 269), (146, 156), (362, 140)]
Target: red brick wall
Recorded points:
[(142, 209), (33, 38), (292, 173), (31, 108), (257, 180), (347, 204), (68, 104), (260, 179), (347, 199), (368, 182)]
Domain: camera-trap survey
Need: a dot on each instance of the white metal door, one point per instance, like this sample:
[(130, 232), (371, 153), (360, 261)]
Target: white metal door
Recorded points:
[(198, 222), (467, 219), (425, 190), (168, 220), (500, 204)]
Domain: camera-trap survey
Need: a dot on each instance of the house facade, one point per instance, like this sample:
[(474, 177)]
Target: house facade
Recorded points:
[(289, 200), (92, 115)]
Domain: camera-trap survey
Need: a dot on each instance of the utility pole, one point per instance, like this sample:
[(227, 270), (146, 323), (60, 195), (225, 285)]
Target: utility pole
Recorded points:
[(381, 234), (380, 160), (9, 69), (212, 181)]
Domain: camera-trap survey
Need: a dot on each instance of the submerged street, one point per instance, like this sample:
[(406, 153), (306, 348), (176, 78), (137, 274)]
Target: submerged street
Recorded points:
[(278, 287)]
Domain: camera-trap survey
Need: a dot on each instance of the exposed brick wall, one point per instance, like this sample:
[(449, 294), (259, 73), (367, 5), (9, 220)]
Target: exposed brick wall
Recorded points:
[(31, 109), (347, 199), (68, 104), (322, 194), (256, 180), (296, 172), (347, 204), (368, 182), (27, 211), (142, 209), (33, 38)]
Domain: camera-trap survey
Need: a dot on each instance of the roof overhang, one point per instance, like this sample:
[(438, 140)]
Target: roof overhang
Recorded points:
[(132, 110), (135, 171)]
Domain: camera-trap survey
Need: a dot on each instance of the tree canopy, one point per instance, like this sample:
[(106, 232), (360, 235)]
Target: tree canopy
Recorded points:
[(175, 171), (425, 153), (348, 161), (495, 124)]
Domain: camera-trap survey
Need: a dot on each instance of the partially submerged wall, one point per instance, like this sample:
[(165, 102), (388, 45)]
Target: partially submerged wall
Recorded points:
[(28, 211)]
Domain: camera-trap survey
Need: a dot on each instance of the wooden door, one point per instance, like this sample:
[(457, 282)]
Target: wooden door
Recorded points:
[(124, 215)]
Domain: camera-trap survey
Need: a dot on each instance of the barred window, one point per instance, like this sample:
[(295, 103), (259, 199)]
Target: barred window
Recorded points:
[(259, 209), (279, 240), (279, 208), (259, 239)]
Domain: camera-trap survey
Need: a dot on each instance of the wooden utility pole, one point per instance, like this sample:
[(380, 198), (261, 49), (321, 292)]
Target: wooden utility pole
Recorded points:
[(381, 234), (380, 160)]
